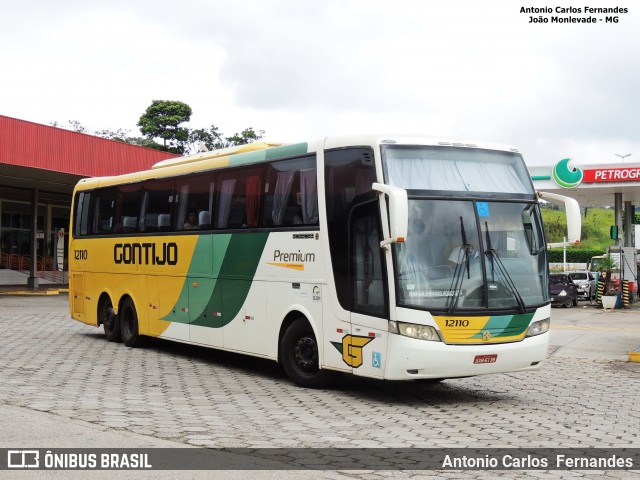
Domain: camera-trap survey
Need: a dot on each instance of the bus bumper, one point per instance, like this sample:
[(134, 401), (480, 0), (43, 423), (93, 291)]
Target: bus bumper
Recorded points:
[(411, 359)]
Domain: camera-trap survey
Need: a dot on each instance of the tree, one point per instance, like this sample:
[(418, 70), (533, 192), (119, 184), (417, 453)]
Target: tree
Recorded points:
[(162, 119), (119, 135), (74, 126), (212, 139), (142, 142), (248, 135), (202, 140)]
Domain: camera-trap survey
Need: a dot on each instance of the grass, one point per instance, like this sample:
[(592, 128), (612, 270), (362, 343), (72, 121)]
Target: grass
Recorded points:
[(595, 227)]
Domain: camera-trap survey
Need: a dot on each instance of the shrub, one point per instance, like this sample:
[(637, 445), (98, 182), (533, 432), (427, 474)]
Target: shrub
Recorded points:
[(573, 255)]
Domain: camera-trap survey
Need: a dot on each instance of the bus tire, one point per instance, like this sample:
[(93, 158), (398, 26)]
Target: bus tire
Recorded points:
[(299, 355), (109, 320), (129, 323)]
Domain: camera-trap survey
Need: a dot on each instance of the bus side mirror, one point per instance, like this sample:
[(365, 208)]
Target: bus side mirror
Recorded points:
[(572, 212), (398, 213)]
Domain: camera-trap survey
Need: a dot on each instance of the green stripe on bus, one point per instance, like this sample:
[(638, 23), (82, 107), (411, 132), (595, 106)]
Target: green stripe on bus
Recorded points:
[(268, 154), (241, 263), (208, 254), (515, 325), (229, 291), (287, 151)]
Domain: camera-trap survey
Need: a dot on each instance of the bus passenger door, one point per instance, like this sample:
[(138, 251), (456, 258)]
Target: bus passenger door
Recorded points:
[(368, 292)]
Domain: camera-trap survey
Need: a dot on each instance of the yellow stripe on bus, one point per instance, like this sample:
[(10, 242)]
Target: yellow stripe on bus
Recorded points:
[(292, 266)]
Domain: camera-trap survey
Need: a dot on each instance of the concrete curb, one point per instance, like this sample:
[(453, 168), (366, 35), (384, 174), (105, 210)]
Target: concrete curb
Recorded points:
[(53, 291)]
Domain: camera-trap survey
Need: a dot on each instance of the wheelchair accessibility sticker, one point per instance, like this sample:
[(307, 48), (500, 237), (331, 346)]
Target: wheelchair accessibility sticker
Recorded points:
[(376, 360)]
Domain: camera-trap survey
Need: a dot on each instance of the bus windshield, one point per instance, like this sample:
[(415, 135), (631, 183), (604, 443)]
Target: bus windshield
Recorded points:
[(471, 255)]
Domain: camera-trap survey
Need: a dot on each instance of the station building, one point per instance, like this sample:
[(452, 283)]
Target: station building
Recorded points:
[(39, 166)]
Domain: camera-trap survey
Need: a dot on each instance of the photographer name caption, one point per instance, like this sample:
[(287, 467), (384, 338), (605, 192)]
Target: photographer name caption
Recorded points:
[(584, 14), (533, 462)]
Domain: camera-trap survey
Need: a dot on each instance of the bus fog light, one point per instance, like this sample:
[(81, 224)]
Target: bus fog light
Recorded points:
[(539, 327), (421, 332)]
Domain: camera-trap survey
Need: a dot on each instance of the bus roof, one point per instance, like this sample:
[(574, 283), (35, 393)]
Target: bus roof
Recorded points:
[(258, 152)]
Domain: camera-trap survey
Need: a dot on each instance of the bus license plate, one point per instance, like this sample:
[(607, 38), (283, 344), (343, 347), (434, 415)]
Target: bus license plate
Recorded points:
[(485, 358)]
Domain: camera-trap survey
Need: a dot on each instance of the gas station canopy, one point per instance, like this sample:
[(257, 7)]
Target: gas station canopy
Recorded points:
[(592, 184)]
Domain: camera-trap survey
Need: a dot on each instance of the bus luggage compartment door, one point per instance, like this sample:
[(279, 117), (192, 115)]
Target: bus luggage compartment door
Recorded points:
[(78, 297)]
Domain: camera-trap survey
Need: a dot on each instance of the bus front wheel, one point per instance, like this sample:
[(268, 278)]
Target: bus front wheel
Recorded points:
[(129, 323), (300, 357), (109, 320)]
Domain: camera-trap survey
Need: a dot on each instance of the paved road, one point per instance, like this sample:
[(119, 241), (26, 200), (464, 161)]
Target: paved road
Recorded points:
[(64, 385)]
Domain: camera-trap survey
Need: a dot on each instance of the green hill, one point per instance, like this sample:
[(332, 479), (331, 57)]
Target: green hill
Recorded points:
[(595, 227)]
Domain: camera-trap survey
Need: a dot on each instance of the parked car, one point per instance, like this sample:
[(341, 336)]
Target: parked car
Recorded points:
[(586, 282), (563, 291)]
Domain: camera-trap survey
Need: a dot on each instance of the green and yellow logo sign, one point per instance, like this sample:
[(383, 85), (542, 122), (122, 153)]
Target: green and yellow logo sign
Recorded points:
[(565, 175), (351, 349)]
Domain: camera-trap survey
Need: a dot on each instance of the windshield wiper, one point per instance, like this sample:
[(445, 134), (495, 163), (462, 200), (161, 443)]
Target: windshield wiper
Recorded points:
[(495, 260), (456, 283)]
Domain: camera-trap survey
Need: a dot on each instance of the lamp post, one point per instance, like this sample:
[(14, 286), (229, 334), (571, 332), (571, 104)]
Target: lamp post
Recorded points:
[(622, 156)]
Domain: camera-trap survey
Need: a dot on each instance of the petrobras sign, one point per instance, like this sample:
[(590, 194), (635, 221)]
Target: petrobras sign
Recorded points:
[(567, 175), (601, 175)]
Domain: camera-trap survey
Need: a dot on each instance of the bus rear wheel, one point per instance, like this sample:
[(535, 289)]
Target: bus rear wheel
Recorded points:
[(300, 357), (129, 323), (109, 320)]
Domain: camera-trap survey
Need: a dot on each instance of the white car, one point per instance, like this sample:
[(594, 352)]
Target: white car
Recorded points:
[(586, 283)]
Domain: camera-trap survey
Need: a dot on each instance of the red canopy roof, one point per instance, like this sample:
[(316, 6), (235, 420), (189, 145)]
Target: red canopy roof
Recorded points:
[(29, 144)]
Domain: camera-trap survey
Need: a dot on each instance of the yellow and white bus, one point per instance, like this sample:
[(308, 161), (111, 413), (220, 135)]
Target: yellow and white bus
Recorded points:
[(392, 257)]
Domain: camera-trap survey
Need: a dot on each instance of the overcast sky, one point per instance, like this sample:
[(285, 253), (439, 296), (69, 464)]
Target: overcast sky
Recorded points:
[(305, 69)]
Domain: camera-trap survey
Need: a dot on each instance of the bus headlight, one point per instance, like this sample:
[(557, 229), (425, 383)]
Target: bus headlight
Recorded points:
[(539, 327), (420, 332)]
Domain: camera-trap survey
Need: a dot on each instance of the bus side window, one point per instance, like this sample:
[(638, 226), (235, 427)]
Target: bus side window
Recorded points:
[(225, 201), (157, 200), (196, 195), (291, 194), (278, 197), (103, 210), (81, 218), (128, 207), (239, 197), (254, 193)]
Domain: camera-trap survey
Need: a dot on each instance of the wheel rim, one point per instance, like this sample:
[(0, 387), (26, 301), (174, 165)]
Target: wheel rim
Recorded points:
[(305, 355)]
